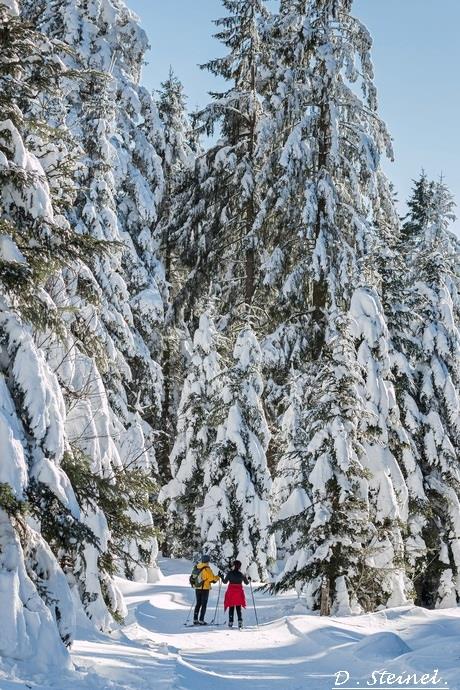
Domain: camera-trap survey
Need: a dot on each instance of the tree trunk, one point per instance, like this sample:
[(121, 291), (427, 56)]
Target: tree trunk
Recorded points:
[(166, 428), (320, 288), (250, 275), (325, 598), (319, 302), (166, 416), (250, 269)]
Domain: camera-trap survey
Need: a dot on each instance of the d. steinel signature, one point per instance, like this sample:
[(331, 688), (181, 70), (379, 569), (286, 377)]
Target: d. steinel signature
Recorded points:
[(384, 679)]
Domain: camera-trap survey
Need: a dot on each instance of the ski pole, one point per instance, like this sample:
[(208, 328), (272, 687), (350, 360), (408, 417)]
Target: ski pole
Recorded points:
[(216, 612), (254, 603), (190, 611)]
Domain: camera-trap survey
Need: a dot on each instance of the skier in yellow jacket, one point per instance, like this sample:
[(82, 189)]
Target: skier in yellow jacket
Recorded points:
[(203, 583)]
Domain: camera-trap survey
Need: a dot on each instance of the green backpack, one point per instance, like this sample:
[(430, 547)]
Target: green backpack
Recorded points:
[(196, 579)]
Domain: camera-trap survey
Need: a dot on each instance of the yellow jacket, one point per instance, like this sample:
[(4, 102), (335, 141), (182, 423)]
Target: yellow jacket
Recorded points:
[(207, 576)]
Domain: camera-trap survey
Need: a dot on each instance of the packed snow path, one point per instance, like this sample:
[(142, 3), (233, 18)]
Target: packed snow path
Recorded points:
[(291, 650)]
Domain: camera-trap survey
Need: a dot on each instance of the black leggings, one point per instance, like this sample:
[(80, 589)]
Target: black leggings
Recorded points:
[(231, 613), (202, 596)]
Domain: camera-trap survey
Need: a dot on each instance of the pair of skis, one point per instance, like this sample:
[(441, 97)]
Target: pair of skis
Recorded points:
[(208, 625), (224, 624)]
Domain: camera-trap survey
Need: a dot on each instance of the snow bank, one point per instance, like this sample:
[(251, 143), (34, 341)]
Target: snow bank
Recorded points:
[(28, 631)]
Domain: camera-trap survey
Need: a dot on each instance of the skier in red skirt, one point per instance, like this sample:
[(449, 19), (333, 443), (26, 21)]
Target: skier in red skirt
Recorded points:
[(234, 596)]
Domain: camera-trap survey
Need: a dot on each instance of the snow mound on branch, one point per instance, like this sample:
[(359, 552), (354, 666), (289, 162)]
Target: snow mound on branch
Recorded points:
[(43, 400), (35, 199), (13, 467), (9, 250), (296, 504), (149, 304)]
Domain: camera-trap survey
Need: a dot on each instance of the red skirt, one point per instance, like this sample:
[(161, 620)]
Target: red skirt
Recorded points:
[(234, 596)]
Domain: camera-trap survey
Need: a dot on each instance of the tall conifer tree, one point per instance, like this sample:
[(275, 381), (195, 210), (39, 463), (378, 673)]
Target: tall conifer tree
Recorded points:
[(37, 243), (114, 394), (234, 516), (195, 435), (216, 214), (431, 298), (329, 192), (177, 159)]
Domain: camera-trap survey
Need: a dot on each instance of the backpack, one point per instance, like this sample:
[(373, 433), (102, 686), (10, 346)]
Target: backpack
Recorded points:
[(195, 578)]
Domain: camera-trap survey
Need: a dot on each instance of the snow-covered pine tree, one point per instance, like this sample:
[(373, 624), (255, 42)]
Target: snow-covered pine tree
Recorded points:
[(325, 144), (216, 212), (113, 414), (193, 441), (117, 122), (420, 206), (330, 193), (431, 301), (328, 509), (176, 153), (377, 435), (121, 307), (36, 242), (385, 441), (234, 517), (391, 260), (177, 161)]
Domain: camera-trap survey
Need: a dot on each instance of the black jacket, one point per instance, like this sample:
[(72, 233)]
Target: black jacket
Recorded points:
[(234, 577)]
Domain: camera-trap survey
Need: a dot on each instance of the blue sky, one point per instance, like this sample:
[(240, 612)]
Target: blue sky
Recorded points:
[(417, 63)]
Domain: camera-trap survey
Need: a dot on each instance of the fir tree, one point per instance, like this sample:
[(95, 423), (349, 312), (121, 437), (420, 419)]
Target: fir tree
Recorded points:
[(420, 207), (36, 244), (234, 517), (327, 520), (431, 301), (177, 160), (386, 442), (323, 147), (194, 438), (117, 307), (391, 260), (217, 210)]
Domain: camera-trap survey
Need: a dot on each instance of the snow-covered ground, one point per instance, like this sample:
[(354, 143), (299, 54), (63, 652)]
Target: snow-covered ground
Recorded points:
[(291, 650)]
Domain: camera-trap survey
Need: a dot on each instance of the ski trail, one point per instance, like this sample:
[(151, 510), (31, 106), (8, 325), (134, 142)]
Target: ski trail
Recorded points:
[(290, 650), (206, 656), (126, 664)]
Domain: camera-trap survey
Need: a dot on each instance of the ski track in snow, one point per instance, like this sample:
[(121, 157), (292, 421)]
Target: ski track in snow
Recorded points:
[(289, 651)]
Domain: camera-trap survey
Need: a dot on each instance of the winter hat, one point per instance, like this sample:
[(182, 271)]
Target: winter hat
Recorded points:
[(205, 558)]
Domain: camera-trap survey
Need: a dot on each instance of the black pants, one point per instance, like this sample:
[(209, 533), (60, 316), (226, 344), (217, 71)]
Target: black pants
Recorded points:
[(231, 613), (202, 596)]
